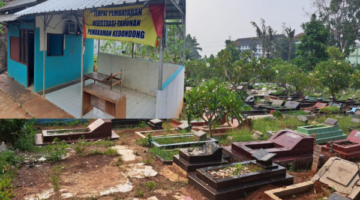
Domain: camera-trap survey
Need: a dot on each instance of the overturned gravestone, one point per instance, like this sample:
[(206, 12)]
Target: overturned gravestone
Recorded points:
[(331, 122), (340, 174), (303, 119), (201, 135), (183, 126), (156, 124)]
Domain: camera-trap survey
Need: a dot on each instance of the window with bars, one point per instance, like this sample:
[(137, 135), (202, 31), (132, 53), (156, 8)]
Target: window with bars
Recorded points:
[(19, 47)]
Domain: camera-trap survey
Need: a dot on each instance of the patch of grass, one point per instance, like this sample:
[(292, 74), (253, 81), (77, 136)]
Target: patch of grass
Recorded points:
[(56, 151), (149, 160), (277, 114), (146, 142), (164, 153), (139, 193), (330, 109), (8, 159), (174, 140), (143, 124), (80, 146), (95, 152), (296, 113), (103, 143), (6, 188), (241, 135), (55, 176), (119, 162), (267, 124), (150, 185), (111, 152)]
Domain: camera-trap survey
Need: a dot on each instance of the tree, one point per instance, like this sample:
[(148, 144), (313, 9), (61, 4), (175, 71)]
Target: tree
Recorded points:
[(290, 35), (341, 17), (261, 35), (192, 48), (335, 53), (247, 69), (281, 69), (302, 82), (312, 49), (334, 74), (272, 47), (284, 54), (212, 101)]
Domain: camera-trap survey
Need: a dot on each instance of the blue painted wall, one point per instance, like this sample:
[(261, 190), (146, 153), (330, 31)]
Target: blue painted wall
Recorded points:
[(62, 69), (16, 70)]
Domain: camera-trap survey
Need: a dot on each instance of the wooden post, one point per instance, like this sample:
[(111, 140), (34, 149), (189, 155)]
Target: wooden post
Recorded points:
[(316, 158)]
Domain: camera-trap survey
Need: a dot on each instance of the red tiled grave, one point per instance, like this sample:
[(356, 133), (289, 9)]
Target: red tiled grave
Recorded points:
[(348, 148)]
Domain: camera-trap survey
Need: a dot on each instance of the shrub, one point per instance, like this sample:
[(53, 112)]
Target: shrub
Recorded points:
[(146, 142), (55, 176), (8, 158), (330, 109), (80, 146), (6, 189), (277, 114), (56, 151), (150, 185), (18, 132), (111, 152)]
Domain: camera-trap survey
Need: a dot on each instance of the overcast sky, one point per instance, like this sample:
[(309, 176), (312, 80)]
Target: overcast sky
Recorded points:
[(213, 21)]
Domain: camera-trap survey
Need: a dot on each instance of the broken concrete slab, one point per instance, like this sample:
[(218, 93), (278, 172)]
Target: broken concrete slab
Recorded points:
[(140, 170), (290, 190), (126, 154), (172, 176), (270, 133), (336, 196), (44, 195), (340, 174)]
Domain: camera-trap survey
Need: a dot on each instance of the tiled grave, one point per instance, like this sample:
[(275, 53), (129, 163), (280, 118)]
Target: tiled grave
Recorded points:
[(99, 129), (217, 183), (348, 148), (341, 175), (293, 105), (190, 159), (180, 144), (324, 132), (288, 146)]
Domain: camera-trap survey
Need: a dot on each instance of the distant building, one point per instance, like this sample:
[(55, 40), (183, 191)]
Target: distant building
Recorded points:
[(253, 44), (354, 57)]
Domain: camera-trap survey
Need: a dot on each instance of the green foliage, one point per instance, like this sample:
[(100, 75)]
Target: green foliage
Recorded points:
[(167, 127), (150, 185), (120, 161), (164, 153), (146, 142), (18, 132), (335, 53), (56, 151), (334, 75), (238, 169), (277, 114), (214, 100), (8, 159), (291, 167), (143, 124), (55, 176), (80, 146), (330, 109), (139, 193), (111, 152), (312, 49), (6, 188), (198, 70)]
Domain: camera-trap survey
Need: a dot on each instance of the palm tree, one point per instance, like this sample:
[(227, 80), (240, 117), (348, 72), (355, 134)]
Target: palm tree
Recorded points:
[(261, 34), (271, 44), (290, 34)]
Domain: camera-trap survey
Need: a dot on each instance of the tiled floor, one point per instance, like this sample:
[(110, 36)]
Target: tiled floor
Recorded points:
[(138, 105)]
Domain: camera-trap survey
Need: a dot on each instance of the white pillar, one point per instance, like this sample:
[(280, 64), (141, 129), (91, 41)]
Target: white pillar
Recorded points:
[(82, 75), (44, 57)]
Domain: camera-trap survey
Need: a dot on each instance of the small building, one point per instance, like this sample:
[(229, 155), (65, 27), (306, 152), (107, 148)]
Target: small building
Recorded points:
[(46, 47)]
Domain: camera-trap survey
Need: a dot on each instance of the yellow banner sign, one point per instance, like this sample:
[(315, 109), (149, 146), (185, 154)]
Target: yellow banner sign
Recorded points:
[(129, 24)]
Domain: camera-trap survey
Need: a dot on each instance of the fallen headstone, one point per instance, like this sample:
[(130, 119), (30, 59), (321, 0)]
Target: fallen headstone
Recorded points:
[(303, 119), (201, 135), (331, 122), (270, 133), (258, 135), (183, 126), (355, 120), (3, 147), (341, 175)]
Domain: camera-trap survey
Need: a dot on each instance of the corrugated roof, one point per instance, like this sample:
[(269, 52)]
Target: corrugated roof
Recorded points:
[(16, 4), (73, 5), (9, 17), (68, 5)]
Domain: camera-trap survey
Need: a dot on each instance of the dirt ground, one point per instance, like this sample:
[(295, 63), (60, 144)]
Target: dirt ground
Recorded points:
[(99, 175)]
